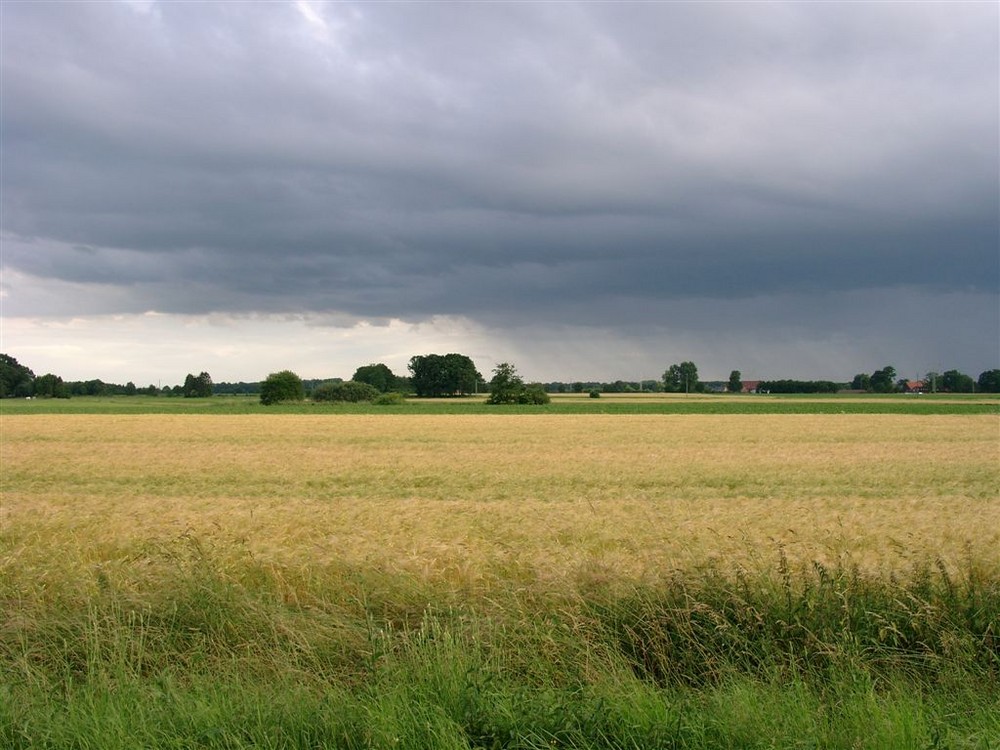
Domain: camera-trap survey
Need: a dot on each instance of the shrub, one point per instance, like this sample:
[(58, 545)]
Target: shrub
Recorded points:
[(390, 399), (533, 394), (595, 393), (350, 392), (281, 386)]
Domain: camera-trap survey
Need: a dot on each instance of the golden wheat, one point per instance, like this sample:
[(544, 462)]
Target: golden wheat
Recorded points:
[(475, 500)]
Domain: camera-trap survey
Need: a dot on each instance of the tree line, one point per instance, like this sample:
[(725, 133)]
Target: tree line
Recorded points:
[(950, 381), (451, 375), (19, 381), (455, 375)]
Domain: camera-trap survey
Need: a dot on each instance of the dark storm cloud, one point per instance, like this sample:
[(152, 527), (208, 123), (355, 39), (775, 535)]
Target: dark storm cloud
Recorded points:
[(489, 160)]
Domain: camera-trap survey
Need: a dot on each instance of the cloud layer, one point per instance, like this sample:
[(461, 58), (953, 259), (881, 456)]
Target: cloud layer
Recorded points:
[(604, 166)]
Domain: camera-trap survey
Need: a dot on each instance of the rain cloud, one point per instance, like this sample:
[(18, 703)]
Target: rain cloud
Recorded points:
[(634, 169)]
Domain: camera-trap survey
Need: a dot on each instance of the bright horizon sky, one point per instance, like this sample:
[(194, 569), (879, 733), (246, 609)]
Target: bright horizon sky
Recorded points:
[(592, 191)]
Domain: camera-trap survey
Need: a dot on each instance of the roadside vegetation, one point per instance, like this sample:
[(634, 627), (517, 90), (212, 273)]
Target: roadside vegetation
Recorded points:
[(490, 580)]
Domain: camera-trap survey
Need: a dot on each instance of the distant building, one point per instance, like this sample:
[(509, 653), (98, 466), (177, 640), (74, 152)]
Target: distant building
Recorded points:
[(750, 386), (916, 386)]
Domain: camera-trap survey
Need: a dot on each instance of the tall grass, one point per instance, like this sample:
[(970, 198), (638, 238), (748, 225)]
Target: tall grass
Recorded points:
[(213, 656)]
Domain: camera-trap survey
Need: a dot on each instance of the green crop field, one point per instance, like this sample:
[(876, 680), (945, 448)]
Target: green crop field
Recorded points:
[(635, 572), (612, 403)]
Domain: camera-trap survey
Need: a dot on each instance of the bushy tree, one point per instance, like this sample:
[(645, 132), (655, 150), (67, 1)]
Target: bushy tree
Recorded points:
[(50, 386), (197, 386), (884, 380), (954, 381), (507, 387), (443, 375), (534, 393), (378, 376), (281, 386), (682, 378), (349, 392), (862, 382), (16, 380), (735, 382), (989, 381)]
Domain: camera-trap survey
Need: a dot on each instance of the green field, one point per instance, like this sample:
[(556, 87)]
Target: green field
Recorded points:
[(624, 572), (613, 403)]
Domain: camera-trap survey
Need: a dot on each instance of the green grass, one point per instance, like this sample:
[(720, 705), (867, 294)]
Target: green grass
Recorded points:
[(610, 404), (219, 658)]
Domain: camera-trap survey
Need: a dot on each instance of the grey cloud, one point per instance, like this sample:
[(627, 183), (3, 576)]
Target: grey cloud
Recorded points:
[(499, 160)]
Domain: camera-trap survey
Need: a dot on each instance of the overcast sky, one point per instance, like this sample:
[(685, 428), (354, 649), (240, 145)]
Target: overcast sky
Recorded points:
[(590, 190)]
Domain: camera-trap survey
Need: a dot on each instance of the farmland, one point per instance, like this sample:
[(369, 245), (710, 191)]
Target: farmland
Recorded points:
[(450, 577)]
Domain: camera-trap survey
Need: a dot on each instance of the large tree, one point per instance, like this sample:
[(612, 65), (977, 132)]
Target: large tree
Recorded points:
[(50, 386), (444, 375), (199, 386), (957, 382), (682, 378), (735, 382), (377, 375), (507, 387), (989, 381), (15, 379), (884, 380), (862, 382), (282, 386)]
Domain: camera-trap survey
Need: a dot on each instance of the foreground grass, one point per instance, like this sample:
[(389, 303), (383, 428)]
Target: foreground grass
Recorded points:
[(815, 658), (596, 581)]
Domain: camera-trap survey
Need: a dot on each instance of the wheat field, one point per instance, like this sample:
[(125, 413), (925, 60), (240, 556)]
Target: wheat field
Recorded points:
[(499, 580), (471, 500)]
